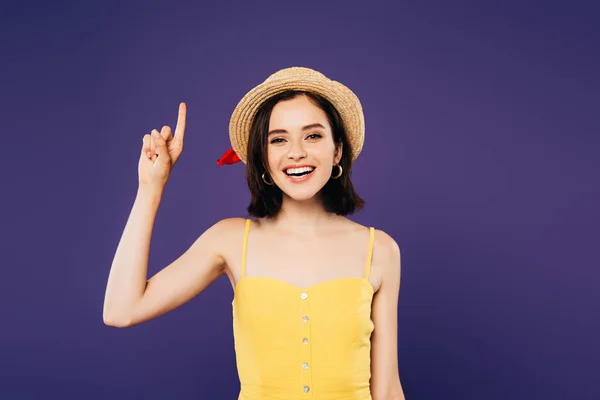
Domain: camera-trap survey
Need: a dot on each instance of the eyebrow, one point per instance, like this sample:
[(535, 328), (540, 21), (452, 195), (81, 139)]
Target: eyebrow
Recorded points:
[(304, 128)]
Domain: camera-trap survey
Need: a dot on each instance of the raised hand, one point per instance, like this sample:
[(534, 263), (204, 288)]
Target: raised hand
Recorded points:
[(160, 152)]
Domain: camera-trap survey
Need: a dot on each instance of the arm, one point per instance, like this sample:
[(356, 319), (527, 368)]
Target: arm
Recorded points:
[(129, 298), (385, 378)]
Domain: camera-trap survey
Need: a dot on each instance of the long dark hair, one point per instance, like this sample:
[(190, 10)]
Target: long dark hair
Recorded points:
[(338, 195)]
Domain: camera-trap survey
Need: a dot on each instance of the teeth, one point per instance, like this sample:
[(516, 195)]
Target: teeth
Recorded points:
[(298, 170)]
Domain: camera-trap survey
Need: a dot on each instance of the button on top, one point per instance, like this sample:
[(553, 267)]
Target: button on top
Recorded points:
[(306, 389), (305, 318), (303, 296), (305, 341), (305, 365)]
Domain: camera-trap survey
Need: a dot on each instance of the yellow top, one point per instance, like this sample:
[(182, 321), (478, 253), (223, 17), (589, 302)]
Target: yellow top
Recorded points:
[(303, 343)]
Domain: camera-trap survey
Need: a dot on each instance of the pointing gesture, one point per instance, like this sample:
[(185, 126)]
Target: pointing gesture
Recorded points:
[(160, 152)]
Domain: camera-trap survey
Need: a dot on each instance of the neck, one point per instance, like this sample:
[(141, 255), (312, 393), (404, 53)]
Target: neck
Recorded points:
[(304, 217)]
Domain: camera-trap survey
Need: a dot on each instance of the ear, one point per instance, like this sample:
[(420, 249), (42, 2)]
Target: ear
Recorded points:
[(337, 156)]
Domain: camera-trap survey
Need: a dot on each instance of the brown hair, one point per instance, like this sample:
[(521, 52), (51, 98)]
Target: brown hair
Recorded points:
[(338, 195)]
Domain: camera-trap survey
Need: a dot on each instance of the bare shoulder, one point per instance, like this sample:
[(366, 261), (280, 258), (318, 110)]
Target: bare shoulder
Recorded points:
[(219, 236), (229, 226), (386, 259), (388, 247), (227, 235), (225, 230)]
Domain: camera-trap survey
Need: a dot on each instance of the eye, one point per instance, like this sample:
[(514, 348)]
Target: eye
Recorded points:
[(276, 140), (314, 136)]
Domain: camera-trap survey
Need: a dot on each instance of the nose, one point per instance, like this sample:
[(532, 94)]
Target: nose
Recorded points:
[(296, 151)]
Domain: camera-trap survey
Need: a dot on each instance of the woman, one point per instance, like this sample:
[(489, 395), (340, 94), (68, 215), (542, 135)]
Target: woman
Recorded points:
[(315, 294)]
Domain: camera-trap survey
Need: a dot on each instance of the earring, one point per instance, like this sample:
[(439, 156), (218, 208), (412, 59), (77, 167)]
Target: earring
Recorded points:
[(264, 180), (339, 173)]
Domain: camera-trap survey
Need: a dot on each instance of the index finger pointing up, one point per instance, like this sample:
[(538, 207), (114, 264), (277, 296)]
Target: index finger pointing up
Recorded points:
[(180, 128)]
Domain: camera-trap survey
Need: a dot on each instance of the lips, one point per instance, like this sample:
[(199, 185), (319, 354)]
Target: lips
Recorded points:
[(298, 170), (297, 174)]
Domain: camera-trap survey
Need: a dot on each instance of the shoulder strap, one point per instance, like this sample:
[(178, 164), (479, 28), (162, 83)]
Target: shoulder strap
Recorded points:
[(370, 255), (244, 246)]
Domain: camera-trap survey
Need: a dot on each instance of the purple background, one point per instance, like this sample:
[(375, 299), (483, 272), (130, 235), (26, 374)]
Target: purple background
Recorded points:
[(481, 160)]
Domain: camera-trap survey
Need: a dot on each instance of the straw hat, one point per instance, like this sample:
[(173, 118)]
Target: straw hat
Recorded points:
[(294, 78)]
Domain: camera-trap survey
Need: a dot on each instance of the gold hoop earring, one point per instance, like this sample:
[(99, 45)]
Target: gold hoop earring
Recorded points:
[(264, 180), (339, 173)]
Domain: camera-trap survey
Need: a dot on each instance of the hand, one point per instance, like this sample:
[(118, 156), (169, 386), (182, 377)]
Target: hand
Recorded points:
[(160, 152)]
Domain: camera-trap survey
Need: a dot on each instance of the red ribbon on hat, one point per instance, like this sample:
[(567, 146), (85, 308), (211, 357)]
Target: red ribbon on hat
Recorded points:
[(229, 157)]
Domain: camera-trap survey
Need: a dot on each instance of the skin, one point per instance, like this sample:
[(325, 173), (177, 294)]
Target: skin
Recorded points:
[(302, 224)]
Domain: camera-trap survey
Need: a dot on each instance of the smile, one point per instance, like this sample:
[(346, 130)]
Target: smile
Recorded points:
[(300, 174)]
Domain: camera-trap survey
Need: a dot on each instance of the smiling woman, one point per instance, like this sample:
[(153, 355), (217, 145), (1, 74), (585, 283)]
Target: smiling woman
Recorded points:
[(315, 294)]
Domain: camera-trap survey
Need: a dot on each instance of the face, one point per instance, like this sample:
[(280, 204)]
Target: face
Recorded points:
[(300, 147)]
